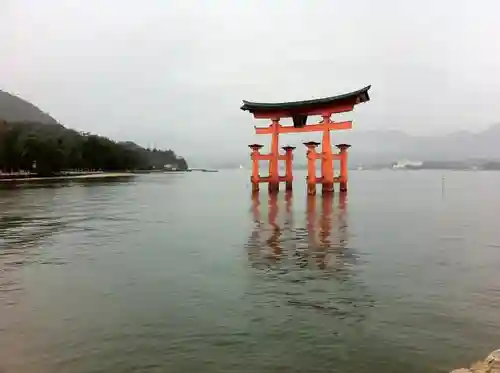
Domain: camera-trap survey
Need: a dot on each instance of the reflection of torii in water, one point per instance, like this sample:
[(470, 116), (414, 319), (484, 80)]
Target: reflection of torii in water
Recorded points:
[(294, 255), (273, 242), (320, 232), (283, 237)]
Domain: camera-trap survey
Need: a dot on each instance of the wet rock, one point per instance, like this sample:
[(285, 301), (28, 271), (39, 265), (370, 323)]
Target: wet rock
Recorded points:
[(492, 362), (478, 367), (490, 365)]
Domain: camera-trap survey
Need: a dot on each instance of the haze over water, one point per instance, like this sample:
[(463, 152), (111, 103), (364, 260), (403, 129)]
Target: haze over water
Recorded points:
[(185, 273)]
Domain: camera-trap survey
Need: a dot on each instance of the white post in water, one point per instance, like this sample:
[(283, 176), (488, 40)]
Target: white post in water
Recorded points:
[(442, 186)]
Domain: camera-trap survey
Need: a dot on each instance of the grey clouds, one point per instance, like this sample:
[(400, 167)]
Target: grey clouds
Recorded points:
[(172, 73)]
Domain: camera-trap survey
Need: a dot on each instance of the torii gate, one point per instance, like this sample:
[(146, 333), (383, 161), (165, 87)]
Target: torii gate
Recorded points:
[(299, 111)]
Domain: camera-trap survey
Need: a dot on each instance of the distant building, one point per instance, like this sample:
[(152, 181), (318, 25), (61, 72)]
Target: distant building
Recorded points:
[(170, 167), (407, 164)]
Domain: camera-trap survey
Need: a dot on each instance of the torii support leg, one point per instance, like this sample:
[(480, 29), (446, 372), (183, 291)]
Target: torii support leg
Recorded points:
[(255, 156), (327, 157), (288, 167), (274, 183), (343, 166), (311, 167)]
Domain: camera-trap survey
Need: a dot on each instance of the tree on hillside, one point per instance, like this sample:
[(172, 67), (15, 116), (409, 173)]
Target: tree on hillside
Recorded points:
[(48, 150)]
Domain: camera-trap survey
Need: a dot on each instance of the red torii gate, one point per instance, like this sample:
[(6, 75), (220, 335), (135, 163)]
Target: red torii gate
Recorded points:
[(299, 111)]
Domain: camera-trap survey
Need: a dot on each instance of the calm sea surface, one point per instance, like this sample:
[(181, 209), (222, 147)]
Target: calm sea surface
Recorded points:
[(186, 273)]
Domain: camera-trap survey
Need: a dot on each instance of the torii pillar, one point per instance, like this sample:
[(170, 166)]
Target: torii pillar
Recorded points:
[(255, 156), (312, 155), (273, 179), (288, 167), (326, 157), (343, 166)]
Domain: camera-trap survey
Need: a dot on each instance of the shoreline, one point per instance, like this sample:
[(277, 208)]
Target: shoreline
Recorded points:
[(100, 175)]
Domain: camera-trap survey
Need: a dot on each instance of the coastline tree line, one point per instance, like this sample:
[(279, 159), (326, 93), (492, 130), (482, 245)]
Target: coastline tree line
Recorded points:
[(46, 149)]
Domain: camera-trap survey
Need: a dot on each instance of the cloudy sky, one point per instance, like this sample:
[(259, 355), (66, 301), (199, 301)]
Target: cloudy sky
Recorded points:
[(172, 73)]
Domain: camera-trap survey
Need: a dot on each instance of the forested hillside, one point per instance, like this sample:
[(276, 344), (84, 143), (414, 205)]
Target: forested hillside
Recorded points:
[(48, 149)]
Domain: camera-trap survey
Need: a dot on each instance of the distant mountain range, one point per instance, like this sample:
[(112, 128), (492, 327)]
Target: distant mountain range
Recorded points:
[(371, 147), (368, 147), (15, 109), (384, 147)]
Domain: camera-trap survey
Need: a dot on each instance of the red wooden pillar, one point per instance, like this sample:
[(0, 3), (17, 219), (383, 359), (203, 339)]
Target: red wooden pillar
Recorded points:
[(343, 166), (326, 156), (255, 156), (274, 183), (288, 167), (311, 167)]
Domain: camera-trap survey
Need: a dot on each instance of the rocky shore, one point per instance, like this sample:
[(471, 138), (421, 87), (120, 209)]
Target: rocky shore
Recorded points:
[(489, 365)]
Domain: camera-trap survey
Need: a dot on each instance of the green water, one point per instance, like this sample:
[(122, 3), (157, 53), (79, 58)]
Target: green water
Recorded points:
[(186, 273)]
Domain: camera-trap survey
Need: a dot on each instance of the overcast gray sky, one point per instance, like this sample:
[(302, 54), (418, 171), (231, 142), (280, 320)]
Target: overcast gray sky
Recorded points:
[(172, 73)]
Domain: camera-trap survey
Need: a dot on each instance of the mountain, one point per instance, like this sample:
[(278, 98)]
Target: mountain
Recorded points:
[(15, 109), (388, 146), (385, 147), (48, 149), (31, 140)]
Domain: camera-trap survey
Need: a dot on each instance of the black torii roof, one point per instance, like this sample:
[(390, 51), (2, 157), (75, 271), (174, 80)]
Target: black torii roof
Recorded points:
[(355, 97)]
